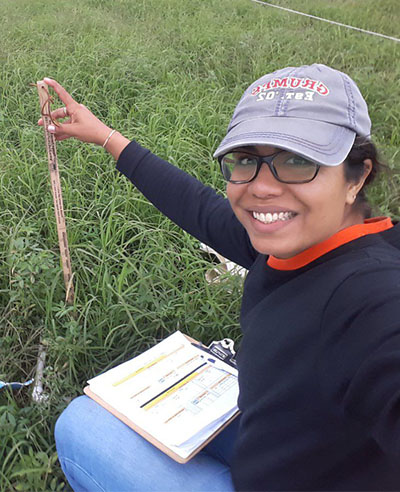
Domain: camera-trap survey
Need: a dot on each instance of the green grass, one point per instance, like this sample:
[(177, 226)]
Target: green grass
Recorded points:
[(169, 74), (382, 17)]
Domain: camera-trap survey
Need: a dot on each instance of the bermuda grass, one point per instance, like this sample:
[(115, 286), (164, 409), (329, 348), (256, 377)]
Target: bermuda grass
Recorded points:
[(169, 74)]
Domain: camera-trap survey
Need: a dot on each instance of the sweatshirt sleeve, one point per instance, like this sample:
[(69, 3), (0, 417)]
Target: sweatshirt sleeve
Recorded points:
[(360, 357), (196, 208)]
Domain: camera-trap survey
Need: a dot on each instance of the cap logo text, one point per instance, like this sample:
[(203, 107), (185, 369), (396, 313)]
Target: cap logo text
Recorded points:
[(293, 83)]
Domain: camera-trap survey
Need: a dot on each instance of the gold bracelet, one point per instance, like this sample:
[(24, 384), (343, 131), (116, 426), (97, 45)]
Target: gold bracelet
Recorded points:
[(108, 138)]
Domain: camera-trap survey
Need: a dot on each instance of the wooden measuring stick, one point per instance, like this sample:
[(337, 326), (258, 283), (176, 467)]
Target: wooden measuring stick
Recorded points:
[(44, 98)]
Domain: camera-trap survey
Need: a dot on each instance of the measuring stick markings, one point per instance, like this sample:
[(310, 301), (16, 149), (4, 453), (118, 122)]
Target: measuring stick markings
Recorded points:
[(56, 191)]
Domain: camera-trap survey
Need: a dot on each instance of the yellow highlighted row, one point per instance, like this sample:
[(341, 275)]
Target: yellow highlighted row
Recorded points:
[(145, 367)]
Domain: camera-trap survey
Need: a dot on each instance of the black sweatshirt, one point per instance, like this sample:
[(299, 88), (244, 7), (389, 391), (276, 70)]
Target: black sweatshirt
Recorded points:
[(319, 362)]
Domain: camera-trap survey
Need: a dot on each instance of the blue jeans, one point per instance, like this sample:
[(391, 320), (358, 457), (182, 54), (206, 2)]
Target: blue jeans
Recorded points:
[(98, 452)]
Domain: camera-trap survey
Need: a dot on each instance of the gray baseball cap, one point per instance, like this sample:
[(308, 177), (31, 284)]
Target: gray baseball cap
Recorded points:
[(313, 110)]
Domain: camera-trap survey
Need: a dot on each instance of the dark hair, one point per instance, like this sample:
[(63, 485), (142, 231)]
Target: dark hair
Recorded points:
[(354, 167)]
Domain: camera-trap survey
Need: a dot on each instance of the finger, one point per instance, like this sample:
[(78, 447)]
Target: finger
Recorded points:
[(59, 113), (62, 137), (65, 97), (61, 131)]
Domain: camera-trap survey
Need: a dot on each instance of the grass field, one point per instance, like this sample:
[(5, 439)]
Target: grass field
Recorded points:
[(167, 73)]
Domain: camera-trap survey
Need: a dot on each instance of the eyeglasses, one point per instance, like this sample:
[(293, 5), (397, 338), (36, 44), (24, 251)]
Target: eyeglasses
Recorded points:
[(242, 167)]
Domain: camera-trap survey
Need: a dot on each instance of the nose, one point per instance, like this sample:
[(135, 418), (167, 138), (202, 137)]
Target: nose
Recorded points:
[(265, 184)]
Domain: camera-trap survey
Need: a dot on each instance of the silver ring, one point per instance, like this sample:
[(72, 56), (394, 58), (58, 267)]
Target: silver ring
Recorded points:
[(65, 111)]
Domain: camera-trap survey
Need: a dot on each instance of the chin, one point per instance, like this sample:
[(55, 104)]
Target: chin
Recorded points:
[(273, 250)]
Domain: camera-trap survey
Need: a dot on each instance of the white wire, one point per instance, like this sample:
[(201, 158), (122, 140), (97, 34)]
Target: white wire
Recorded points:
[(326, 20)]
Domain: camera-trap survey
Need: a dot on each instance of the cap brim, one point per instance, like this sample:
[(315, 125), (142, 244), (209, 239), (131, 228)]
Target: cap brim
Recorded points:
[(318, 141)]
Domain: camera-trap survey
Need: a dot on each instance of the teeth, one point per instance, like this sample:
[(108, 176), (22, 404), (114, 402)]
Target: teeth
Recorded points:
[(269, 218)]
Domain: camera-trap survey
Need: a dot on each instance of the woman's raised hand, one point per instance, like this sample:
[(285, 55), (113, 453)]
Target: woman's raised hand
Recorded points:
[(81, 124)]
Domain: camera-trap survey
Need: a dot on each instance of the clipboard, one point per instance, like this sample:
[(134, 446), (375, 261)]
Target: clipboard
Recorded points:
[(146, 434)]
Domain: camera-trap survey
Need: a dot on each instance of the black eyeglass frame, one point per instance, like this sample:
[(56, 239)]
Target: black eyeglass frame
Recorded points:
[(269, 160)]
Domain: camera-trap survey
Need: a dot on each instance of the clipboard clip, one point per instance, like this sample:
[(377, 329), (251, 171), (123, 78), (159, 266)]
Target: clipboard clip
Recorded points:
[(221, 349), (224, 350)]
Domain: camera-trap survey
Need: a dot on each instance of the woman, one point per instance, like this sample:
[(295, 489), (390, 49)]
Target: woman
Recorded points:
[(319, 362)]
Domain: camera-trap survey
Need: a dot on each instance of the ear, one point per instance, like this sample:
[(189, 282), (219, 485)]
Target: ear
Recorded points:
[(354, 188)]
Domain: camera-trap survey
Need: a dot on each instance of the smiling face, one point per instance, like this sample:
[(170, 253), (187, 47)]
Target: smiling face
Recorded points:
[(282, 219)]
